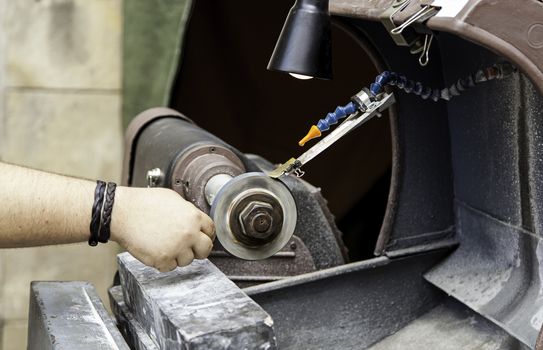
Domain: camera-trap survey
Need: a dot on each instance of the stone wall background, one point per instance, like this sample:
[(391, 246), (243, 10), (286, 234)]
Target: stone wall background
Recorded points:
[(60, 110)]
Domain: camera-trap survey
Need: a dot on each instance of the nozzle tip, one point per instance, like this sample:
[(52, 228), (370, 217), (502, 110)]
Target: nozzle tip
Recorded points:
[(313, 133)]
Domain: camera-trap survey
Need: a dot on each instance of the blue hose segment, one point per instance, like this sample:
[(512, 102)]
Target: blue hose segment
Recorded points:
[(333, 117), (322, 125), (382, 80), (497, 71), (375, 88)]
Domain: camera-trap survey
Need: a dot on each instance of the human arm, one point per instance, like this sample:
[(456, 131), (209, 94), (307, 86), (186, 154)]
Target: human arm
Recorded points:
[(156, 225)]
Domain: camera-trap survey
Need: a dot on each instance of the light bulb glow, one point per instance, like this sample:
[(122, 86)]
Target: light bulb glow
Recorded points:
[(301, 76)]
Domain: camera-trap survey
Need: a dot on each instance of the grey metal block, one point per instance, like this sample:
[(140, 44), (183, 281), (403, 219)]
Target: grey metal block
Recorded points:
[(294, 259), (70, 315), (194, 307), (133, 332)]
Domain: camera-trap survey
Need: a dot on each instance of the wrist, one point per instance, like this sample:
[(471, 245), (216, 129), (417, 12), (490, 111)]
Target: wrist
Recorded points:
[(119, 214), (102, 211)]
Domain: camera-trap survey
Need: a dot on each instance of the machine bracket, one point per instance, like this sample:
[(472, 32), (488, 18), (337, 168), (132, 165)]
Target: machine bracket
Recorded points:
[(417, 39)]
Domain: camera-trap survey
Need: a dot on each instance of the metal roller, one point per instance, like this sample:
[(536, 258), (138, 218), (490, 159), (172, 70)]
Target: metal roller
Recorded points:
[(254, 215)]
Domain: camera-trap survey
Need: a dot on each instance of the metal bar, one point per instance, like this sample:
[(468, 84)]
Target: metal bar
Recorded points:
[(173, 307), (70, 315), (256, 278), (214, 185), (223, 254), (132, 330), (351, 123)]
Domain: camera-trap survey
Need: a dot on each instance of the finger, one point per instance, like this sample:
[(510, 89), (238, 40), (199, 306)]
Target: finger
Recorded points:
[(185, 258), (202, 247), (166, 265), (208, 227), (144, 259)]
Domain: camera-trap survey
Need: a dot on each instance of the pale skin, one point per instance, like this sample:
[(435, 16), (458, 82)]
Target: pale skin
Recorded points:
[(156, 225)]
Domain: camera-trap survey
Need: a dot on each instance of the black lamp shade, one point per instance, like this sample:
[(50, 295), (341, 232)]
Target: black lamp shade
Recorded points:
[(304, 46)]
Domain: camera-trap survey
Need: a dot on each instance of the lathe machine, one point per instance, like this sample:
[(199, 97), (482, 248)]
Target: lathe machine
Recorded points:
[(458, 259)]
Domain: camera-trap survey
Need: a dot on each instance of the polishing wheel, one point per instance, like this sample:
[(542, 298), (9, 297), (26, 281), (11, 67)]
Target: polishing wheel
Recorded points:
[(254, 215)]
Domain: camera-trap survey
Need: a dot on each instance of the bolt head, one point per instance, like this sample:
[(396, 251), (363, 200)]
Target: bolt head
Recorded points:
[(256, 220), (261, 222)]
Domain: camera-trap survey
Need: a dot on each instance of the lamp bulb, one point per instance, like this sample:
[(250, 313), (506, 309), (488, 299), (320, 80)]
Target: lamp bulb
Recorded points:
[(301, 76)]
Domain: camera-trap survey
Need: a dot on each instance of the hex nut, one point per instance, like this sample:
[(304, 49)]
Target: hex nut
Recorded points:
[(256, 219)]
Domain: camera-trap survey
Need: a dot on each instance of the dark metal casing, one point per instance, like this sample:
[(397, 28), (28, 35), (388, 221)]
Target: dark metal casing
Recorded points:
[(165, 139), (305, 43)]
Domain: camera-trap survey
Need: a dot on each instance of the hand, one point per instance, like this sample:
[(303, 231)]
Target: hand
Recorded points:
[(159, 228)]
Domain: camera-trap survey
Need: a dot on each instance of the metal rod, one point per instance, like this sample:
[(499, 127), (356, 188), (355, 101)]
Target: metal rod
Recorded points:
[(352, 122), (214, 185)]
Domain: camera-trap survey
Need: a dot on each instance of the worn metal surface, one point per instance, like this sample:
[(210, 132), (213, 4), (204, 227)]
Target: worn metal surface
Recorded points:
[(187, 155), (239, 237), (420, 207), (214, 185), (178, 135), (495, 271), (294, 259), (315, 225), (133, 132), (350, 306), (489, 135), (497, 164), (449, 326), (512, 29), (177, 139), (70, 315), (194, 307), (197, 164), (133, 332)]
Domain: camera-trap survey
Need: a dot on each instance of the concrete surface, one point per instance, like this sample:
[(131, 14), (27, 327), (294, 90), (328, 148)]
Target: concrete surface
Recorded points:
[(64, 44)]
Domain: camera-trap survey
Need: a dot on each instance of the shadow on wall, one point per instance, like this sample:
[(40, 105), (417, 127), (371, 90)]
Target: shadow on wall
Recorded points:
[(223, 85)]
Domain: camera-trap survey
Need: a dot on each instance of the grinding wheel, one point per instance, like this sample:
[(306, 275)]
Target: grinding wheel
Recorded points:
[(265, 201)]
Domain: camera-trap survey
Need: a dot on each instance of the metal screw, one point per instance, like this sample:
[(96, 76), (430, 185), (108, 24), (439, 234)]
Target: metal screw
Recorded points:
[(153, 177)]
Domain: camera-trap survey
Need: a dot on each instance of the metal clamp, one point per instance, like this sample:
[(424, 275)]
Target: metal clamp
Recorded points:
[(404, 37), (423, 14), (363, 99), (387, 18), (424, 57), (373, 109)]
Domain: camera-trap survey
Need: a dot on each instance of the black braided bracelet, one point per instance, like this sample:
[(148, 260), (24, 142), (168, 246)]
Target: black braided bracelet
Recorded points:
[(96, 212), (106, 213)]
